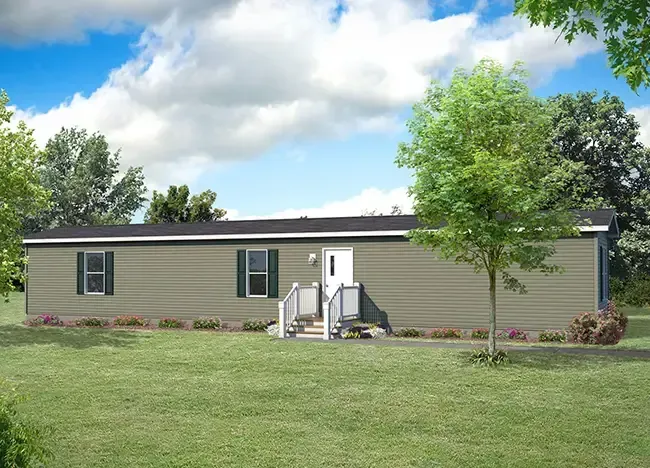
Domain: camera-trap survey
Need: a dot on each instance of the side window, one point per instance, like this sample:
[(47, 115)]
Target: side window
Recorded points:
[(95, 273), (257, 273)]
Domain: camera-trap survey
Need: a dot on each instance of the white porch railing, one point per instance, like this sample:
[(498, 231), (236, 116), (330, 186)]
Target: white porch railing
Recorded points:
[(345, 304), (301, 301)]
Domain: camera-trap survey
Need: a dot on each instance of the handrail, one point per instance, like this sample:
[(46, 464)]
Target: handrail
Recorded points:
[(289, 309), (341, 306)]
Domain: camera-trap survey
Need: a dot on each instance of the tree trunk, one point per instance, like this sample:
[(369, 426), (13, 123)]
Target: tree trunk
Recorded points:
[(493, 313)]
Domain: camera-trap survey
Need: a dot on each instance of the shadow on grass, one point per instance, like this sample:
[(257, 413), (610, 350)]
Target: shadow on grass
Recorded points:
[(78, 338)]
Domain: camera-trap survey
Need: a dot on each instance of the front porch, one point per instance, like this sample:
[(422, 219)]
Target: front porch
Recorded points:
[(307, 313)]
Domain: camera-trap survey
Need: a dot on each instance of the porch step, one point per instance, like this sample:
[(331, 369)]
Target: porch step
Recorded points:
[(308, 329)]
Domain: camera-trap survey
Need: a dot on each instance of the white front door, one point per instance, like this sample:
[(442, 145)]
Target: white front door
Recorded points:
[(337, 268)]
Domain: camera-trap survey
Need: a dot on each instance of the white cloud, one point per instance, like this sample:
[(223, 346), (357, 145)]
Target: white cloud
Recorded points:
[(229, 84), (370, 199), (642, 114)]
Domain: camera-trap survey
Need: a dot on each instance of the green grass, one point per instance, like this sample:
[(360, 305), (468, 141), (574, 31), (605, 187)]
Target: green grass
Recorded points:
[(191, 399)]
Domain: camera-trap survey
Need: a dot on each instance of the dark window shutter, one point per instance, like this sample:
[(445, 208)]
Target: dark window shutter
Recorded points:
[(108, 273), (241, 273), (273, 273), (81, 288)]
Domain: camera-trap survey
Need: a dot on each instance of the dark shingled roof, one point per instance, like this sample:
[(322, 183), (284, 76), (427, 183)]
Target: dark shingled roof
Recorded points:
[(264, 226)]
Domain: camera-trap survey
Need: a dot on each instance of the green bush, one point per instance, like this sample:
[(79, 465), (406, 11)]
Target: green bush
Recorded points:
[(634, 291), (91, 322), (446, 333), (606, 327), (130, 321), (481, 357), (170, 322), (21, 444), (206, 323), (408, 332), (549, 336), (255, 325), (480, 333), (351, 335)]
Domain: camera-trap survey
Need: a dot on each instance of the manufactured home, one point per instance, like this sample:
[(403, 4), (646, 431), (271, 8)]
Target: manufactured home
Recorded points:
[(313, 274)]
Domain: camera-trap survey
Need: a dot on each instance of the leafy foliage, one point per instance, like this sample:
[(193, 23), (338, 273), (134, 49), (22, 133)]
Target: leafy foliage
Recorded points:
[(178, 207), (45, 319), (634, 291), (480, 333), (558, 336), (21, 195), (130, 321), (351, 335), (485, 358), (624, 25), (513, 334), (483, 174), (206, 323), (446, 333), (170, 322), (254, 325), (22, 444), (91, 322), (606, 327), (600, 134), (82, 175), (408, 332)]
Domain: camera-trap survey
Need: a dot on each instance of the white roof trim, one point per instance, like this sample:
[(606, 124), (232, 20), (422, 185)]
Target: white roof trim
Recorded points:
[(204, 237)]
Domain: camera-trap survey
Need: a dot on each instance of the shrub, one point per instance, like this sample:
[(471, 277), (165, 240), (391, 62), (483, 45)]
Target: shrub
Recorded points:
[(21, 444), (46, 319), (480, 333), (273, 330), (446, 333), (378, 333), (170, 322), (513, 334), (605, 327), (409, 333), (130, 321), (255, 325), (548, 336), (91, 322), (481, 357), (206, 323), (351, 335), (634, 291)]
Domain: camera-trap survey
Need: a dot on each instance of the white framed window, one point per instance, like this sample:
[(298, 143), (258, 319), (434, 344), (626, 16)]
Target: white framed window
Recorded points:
[(94, 272), (257, 273)]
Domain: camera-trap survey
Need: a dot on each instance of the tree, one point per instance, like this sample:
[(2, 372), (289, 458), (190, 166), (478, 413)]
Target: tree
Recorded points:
[(178, 207), (395, 210), (20, 194), (625, 25), (599, 133), (82, 175), (483, 173)]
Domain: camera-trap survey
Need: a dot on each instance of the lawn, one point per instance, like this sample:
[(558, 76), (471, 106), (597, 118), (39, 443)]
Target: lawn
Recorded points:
[(192, 399)]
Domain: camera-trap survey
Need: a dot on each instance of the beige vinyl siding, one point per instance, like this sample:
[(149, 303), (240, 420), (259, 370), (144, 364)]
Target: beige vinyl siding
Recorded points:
[(403, 285)]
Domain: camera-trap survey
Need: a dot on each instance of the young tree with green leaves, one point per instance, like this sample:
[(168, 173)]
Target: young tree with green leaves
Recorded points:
[(483, 173), (83, 176), (178, 207), (625, 25), (20, 194)]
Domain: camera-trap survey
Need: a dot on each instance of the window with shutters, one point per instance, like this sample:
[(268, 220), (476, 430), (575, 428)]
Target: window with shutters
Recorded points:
[(257, 280), (94, 272)]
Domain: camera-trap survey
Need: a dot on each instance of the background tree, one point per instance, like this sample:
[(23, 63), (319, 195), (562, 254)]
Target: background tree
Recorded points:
[(481, 165), (599, 133), (82, 175), (20, 194), (178, 207), (625, 25)]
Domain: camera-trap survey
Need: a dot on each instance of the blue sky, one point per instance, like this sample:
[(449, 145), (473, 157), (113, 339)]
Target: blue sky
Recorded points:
[(282, 108)]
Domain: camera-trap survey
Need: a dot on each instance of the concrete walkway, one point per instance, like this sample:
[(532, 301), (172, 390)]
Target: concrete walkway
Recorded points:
[(615, 352)]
